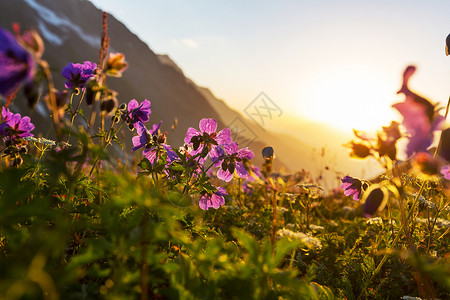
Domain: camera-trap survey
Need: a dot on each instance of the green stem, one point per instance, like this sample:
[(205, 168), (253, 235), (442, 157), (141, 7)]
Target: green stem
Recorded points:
[(274, 217), (51, 103), (75, 112), (107, 142), (399, 234)]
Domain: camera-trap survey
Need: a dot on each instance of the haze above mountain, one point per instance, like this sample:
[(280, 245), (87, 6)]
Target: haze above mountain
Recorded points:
[(72, 29)]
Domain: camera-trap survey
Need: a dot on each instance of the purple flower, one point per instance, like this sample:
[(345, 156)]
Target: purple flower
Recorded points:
[(143, 137), (352, 186), (153, 143), (214, 200), (14, 126), (78, 75), (446, 172), (233, 159), (139, 112), (16, 64), (419, 117), (207, 138), (153, 153), (171, 154), (6, 114)]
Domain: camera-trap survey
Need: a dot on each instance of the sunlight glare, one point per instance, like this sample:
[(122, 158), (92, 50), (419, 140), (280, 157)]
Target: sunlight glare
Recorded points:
[(350, 98)]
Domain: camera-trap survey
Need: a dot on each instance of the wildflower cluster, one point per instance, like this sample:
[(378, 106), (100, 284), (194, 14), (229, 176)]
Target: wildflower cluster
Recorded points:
[(13, 130), (191, 164)]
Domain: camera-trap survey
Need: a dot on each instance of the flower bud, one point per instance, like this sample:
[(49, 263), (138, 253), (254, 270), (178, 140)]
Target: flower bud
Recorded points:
[(268, 152), (61, 99), (231, 167), (115, 65), (31, 93), (109, 103), (162, 138), (30, 39), (91, 91)]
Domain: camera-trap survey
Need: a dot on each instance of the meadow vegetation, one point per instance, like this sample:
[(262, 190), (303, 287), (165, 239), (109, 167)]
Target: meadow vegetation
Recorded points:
[(200, 221)]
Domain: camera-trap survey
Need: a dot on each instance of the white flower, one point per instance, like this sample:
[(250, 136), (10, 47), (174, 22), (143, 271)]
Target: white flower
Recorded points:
[(308, 241), (375, 221)]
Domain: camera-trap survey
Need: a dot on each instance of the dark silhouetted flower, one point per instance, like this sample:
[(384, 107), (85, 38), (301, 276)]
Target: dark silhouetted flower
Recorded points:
[(419, 117), (374, 202), (16, 64), (207, 138), (139, 112), (115, 65), (78, 75), (214, 200), (446, 172), (352, 187), (387, 140)]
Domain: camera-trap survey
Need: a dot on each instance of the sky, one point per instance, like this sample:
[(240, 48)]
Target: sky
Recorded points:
[(336, 62)]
